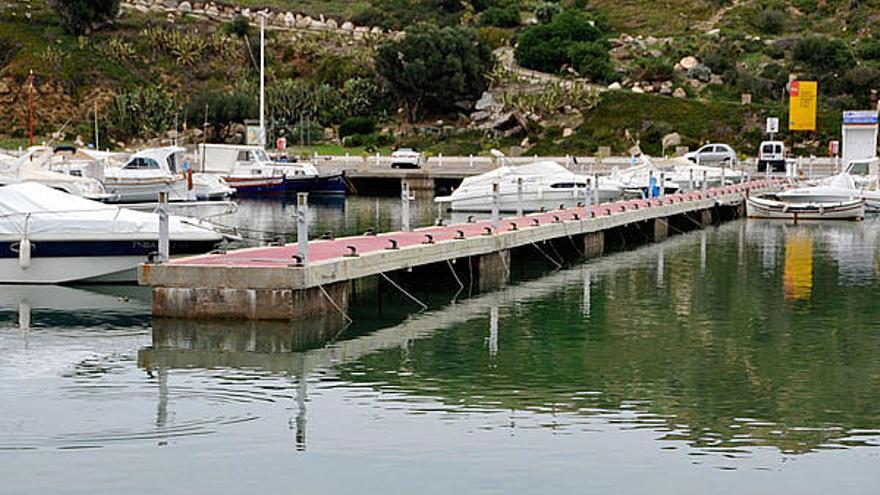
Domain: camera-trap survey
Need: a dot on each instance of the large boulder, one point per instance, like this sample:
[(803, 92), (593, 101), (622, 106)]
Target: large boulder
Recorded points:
[(688, 63)]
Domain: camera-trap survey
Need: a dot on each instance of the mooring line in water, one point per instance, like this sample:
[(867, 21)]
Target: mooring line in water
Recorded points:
[(460, 285), (571, 240), (556, 251), (407, 294), (558, 266), (345, 316)]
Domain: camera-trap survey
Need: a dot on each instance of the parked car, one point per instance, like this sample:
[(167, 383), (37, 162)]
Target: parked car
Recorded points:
[(406, 158), (771, 154), (713, 154)]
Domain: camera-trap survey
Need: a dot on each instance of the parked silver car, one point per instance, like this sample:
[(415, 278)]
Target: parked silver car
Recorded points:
[(713, 154)]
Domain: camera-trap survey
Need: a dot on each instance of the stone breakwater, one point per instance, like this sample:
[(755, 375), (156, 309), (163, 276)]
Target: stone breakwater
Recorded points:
[(275, 18)]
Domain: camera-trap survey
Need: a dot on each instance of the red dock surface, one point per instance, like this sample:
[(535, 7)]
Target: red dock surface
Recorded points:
[(324, 250)]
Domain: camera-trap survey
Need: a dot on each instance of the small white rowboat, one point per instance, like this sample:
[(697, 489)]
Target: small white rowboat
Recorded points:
[(762, 207)]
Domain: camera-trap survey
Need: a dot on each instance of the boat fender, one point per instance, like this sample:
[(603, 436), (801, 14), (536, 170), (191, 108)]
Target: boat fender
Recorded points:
[(24, 253)]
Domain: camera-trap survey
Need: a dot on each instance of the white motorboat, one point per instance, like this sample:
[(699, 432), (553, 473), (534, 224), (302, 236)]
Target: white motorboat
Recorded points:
[(250, 170), (545, 185), (839, 188), (678, 174), (28, 169), (772, 208), (142, 176), (50, 237), (858, 181), (154, 170)]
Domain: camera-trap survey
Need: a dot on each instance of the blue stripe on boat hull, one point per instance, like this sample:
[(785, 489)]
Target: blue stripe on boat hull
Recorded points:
[(72, 249)]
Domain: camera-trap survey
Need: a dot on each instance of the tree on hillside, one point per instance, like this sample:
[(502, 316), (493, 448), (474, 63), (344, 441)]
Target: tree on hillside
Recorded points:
[(431, 68), (80, 16), (570, 39)]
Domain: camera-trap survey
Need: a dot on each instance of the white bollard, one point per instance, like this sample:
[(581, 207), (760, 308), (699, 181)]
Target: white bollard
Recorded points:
[(377, 158), (404, 206), (440, 159), (705, 186), (662, 184), (596, 189), (164, 236), (519, 197), (346, 158), (302, 226), (496, 199), (471, 161), (691, 181), (650, 189)]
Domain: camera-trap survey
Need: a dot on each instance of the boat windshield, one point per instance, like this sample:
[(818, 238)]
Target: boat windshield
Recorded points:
[(142, 163), (859, 168), (261, 156)]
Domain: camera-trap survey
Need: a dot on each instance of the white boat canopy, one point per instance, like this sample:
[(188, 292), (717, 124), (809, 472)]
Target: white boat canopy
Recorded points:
[(48, 213)]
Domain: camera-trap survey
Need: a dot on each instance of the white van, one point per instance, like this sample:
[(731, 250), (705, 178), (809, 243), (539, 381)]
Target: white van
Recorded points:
[(771, 154)]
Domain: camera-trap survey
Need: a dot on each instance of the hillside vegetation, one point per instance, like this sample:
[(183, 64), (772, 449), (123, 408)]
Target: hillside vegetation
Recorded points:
[(615, 73)]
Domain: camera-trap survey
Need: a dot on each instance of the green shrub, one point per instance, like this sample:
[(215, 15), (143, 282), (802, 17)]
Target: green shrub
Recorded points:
[(240, 26), (546, 11), (78, 16), (826, 54), (656, 69), (142, 111), (719, 58), (335, 70), (357, 125), (860, 80), (770, 21), (494, 37), (547, 47), (505, 17), (869, 49), (223, 108), (590, 59), (431, 68)]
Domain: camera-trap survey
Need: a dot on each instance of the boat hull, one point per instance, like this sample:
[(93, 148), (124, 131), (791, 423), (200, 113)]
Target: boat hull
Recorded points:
[(329, 185), (531, 201), (144, 191), (780, 210), (64, 262)]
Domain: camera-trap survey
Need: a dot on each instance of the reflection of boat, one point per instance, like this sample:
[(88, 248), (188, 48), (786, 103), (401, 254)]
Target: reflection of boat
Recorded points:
[(545, 185), (769, 207), (49, 237)]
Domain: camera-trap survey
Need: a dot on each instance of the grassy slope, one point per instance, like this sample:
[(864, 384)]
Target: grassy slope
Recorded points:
[(334, 8), (651, 116)]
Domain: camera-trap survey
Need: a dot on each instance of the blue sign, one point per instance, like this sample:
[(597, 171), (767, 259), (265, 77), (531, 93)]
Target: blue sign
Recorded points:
[(860, 117)]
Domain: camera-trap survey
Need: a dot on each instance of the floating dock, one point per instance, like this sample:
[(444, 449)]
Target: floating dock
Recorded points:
[(273, 283)]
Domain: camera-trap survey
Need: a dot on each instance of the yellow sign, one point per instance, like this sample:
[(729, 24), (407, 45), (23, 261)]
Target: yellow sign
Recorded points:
[(802, 105)]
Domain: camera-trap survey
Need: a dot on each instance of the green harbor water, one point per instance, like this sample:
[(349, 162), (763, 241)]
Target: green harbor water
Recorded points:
[(743, 358)]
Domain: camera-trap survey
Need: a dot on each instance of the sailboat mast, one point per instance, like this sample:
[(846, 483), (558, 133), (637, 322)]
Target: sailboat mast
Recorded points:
[(262, 136)]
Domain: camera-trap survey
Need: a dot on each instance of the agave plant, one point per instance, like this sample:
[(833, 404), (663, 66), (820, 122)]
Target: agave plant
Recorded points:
[(118, 49)]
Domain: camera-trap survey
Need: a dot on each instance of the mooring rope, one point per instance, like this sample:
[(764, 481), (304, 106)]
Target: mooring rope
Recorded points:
[(345, 316), (407, 294), (547, 256), (460, 284)]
